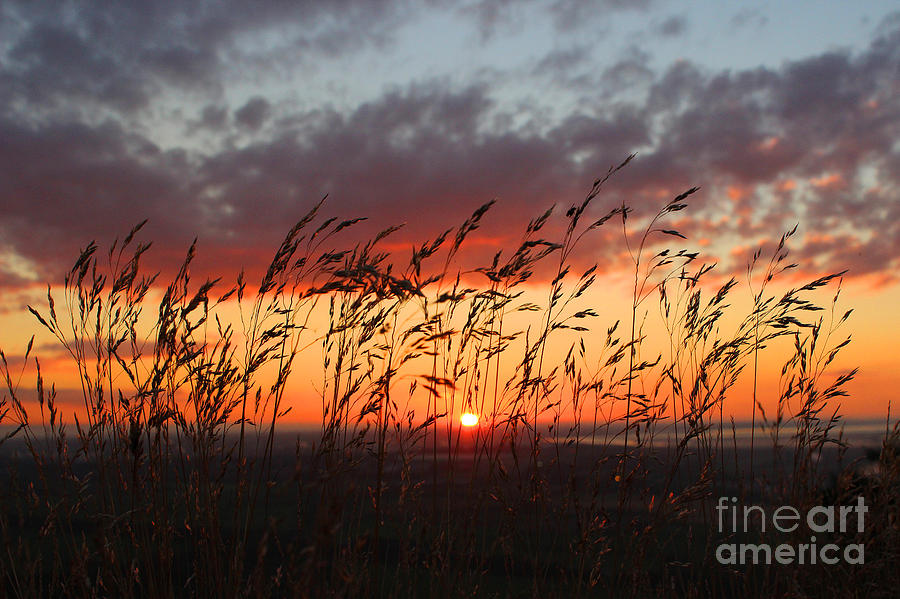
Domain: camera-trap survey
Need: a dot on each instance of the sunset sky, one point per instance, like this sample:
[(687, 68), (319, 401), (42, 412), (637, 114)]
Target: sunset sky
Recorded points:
[(227, 121)]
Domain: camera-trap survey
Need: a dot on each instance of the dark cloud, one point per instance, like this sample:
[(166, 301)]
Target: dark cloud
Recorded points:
[(50, 68), (389, 159), (673, 26), (183, 66), (213, 117), (63, 184), (119, 57), (254, 113), (386, 160)]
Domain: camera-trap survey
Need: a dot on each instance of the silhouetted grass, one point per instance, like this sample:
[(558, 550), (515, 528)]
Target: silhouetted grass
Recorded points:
[(594, 471)]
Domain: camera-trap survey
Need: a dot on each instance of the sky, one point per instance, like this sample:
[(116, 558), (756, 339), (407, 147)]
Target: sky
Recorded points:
[(226, 123)]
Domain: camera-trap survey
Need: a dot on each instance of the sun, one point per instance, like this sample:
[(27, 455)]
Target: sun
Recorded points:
[(468, 419)]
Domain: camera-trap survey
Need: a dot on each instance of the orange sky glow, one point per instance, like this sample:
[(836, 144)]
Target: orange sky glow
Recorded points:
[(870, 350), (213, 124)]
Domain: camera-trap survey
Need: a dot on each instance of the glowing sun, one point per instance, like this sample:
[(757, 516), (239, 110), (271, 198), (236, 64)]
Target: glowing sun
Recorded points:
[(468, 419)]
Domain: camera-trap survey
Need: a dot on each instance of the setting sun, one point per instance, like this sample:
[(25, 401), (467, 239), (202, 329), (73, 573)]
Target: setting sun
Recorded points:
[(468, 419)]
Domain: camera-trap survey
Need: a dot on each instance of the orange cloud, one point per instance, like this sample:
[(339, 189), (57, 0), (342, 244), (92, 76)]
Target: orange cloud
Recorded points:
[(832, 181), (786, 185), (768, 144)]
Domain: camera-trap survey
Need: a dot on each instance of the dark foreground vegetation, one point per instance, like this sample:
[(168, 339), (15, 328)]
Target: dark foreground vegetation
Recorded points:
[(595, 471)]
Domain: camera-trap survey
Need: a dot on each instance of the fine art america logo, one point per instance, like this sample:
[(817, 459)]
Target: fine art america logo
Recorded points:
[(787, 519)]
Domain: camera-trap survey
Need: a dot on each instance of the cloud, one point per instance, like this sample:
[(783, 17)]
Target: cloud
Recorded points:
[(569, 15), (254, 113), (562, 60), (673, 26), (64, 183), (627, 74), (813, 140), (213, 117), (749, 17), (106, 55), (493, 17), (829, 122), (183, 66), (52, 67)]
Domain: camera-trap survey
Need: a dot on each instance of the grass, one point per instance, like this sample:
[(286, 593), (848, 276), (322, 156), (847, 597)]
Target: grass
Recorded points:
[(594, 472)]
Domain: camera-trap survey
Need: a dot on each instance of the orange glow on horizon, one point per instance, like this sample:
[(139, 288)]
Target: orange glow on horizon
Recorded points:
[(869, 393)]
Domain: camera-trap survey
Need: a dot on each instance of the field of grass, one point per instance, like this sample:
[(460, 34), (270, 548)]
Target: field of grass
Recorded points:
[(595, 469)]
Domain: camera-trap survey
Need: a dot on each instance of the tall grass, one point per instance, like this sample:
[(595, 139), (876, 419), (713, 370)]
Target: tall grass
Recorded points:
[(601, 448)]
